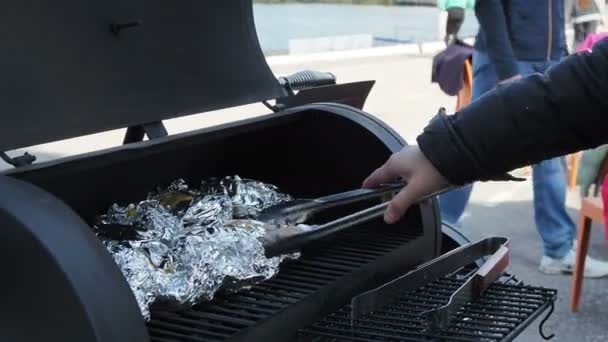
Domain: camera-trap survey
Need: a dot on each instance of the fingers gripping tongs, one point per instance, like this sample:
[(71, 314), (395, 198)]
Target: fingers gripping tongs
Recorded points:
[(292, 215)]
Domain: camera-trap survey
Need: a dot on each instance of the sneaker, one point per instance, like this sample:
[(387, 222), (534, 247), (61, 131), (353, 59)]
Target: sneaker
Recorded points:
[(593, 268)]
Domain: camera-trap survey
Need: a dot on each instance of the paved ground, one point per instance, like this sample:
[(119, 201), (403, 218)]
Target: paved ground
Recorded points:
[(405, 99)]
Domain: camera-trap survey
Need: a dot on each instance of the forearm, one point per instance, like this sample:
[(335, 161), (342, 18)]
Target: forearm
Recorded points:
[(536, 118)]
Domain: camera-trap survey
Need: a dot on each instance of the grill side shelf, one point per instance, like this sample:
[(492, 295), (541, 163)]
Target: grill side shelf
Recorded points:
[(446, 264), (504, 310), (472, 289)]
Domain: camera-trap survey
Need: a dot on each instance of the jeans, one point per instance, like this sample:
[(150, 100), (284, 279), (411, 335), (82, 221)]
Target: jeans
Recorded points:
[(454, 22), (553, 223)]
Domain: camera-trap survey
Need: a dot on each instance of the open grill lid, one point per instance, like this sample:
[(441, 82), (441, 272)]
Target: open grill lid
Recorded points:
[(71, 67)]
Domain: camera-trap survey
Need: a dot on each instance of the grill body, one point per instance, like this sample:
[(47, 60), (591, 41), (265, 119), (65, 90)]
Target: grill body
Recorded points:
[(331, 148)]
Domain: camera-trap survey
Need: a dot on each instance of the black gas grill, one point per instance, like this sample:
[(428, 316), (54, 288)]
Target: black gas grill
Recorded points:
[(73, 68)]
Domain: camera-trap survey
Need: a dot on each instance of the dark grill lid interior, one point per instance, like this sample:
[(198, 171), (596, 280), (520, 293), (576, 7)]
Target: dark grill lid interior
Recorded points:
[(66, 74)]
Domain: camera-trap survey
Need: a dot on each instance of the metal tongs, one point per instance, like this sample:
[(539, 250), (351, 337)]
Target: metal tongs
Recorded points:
[(296, 234), (495, 249)]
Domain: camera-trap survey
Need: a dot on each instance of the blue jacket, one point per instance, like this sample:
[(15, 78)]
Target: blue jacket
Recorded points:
[(528, 30)]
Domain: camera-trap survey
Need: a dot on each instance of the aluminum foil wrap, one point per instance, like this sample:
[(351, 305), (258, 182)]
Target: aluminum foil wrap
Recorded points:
[(181, 245)]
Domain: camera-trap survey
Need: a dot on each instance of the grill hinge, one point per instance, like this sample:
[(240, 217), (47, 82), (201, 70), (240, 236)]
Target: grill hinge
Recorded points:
[(153, 130), (25, 159)]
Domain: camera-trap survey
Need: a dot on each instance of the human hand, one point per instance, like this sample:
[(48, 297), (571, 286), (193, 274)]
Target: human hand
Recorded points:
[(510, 79), (416, 170)]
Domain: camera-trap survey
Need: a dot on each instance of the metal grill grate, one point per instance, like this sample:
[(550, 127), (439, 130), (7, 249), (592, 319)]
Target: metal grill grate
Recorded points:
[(359, 249), (505, 309)]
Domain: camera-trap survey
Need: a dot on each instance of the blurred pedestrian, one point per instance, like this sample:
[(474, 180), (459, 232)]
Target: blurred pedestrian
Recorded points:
[(586, 16), (456, 15), (517, 38)]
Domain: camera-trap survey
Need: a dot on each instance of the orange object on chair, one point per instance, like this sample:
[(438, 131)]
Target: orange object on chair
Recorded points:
[(573, 161), (464, 95), (592, 209)]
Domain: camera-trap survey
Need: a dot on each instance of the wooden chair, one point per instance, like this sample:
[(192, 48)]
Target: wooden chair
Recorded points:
[(573, 161), (592, 209)]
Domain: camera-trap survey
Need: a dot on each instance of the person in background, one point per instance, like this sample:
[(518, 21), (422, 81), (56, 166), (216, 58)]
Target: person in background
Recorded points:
[(542, 116), (586, 16), (518, 38), (456, 14)]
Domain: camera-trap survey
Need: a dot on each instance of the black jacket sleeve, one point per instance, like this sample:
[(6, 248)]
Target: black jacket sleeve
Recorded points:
[(491, 17), (539, 117)]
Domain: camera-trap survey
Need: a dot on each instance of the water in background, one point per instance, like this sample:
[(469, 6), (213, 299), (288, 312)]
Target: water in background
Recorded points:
[(276, 24)]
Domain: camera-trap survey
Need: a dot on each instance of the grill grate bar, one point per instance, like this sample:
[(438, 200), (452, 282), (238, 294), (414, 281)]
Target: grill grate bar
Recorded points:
[(371, 334), (357, 251), (160, 339), (238, 306), (337, 260), (245, 314), (164, 318), (302, 279), (204, 337), (501, 306), (380, 248), (294, 284), (252, 301), (266, 295), (347, 259), (325, 265), (237, 322), (339, 336), (509, 299), (355, 255), (284, 290), (187, 329), (386, 330), (308, 268), (253, 304), (406, 317), (499, 316), (477, 325), (403, 323), (325, 278)]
